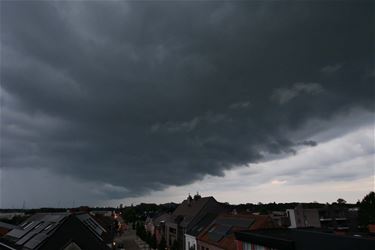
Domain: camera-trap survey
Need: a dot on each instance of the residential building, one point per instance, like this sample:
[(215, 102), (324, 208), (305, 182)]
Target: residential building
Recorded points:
[(5, 228), (11, 215), (299, 239), (156, 225), (219, 235), (280, 218), (300, 217), (339, 218), (66, 231), (186, 215), (107, 213), (112, 226), (192, 234)]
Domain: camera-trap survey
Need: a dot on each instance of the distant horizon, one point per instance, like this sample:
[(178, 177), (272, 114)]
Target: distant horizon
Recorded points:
[(175, 202)]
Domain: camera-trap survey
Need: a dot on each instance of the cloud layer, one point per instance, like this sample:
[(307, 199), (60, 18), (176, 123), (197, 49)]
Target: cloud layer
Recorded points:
[(341, 167), (140, 96)]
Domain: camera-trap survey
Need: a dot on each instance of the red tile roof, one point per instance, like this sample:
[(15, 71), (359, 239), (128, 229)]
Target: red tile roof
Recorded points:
[(228, 241)]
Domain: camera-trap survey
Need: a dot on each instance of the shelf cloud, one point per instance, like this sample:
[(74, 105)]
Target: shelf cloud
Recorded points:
[(140, 96)]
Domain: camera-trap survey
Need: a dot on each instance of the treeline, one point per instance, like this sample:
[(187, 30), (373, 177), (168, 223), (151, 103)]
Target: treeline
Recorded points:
[(269, 207), (132, 214), (140, 212)]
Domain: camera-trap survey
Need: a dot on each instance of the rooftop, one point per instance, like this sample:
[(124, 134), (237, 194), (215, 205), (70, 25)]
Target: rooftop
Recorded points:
[(190, 208), (39, 228), (297, 239), (221, 231)]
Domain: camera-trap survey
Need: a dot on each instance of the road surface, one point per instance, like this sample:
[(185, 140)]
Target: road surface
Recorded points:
[(130, 241)]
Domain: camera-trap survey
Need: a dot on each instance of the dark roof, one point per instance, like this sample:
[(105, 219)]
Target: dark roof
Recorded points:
[(92, 224), (39, 229), (202, 224), (296, 239), (7, 225), (33, 231), (188, 210), (161, 218), (220, 232)]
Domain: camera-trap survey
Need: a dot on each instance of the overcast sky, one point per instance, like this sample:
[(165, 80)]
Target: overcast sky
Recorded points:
[(121, 101)]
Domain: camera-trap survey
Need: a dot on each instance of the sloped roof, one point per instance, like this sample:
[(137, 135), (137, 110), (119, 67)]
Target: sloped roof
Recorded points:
[(193, 207), (220, 232), (92, 224), (37, 229), (161, 217), (7, 225), (188, 210), (202, 224)]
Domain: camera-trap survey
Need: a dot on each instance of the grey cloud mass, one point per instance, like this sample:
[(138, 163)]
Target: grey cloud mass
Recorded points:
[(284, 95), (143, 95)]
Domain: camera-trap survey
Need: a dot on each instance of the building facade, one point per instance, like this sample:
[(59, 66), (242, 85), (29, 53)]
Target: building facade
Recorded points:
[(297, 239), (300, 217)]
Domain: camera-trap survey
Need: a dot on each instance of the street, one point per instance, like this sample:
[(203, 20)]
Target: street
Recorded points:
[(130, 241)]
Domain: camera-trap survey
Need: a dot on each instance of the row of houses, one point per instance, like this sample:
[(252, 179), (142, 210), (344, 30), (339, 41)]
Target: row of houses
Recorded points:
[(337, 218), (299, 239), (202, 223)]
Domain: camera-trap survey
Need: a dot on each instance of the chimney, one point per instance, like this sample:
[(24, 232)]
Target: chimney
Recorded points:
[(197, 196), (189, 199)]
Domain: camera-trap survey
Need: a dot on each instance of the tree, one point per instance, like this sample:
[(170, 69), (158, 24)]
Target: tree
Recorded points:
[(162, 244), (175, 245), (153, 242), (366, 213), (148, 238), (341, 201), (137, 229), (141, 231)]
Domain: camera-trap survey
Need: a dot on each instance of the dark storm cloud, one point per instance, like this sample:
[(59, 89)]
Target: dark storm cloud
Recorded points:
[(309, 143), (150, 94)]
